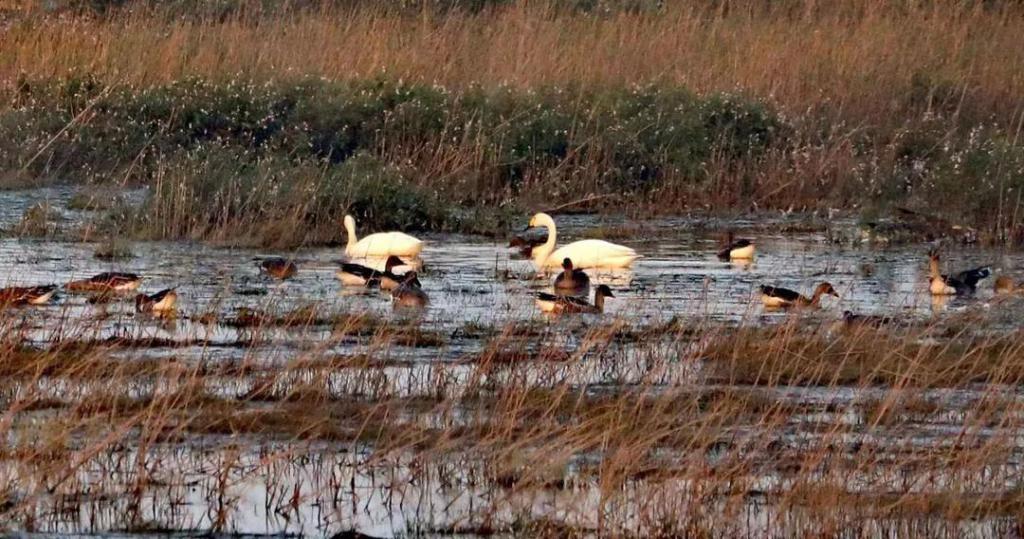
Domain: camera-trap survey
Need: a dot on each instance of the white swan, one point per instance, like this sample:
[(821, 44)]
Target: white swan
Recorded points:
[(583, 253), (381, 244)]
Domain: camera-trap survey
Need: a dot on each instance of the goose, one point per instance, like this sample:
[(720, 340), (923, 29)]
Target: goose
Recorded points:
[(27, 295), (381, 243), (964, 282), (109, 281), (773, 296), (572, 282), (409, 293), (359, 275), (161, 302), (739, 249), (550, 303), (584, 253), (278, 268)]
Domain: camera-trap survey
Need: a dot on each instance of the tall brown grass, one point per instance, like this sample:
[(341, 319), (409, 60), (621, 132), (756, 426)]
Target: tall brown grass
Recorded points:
[(702, 430), (891, 103), (866, 60)]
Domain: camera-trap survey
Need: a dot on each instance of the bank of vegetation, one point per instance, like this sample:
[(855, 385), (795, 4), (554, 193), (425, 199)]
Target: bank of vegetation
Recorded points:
[(462, 115)]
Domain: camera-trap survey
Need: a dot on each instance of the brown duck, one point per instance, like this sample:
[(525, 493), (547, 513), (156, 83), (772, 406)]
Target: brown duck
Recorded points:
[(110, 281), (27, 295)]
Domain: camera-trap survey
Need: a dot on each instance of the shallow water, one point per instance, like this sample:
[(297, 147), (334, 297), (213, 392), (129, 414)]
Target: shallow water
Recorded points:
[(474, 280), (475, 283)]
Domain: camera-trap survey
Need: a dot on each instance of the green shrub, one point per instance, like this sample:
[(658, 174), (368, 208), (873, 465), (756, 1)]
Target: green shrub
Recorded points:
[(219, 154), (639, 136)]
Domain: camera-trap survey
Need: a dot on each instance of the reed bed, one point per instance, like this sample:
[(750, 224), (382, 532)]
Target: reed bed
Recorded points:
[(501, 106), (688, 427), (863, 58)]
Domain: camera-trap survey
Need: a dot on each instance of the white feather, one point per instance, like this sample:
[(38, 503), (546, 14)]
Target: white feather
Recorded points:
[(584, 254), (381, 244)]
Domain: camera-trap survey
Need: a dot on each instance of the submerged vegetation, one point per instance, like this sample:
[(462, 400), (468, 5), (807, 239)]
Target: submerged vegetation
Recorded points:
[(454, 116)]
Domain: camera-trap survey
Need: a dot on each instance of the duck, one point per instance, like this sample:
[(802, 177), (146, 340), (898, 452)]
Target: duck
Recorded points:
[(524, 245), (27, 295), (736, 249), (359, 275), (380, 244), (962, 283), (161, 302), (409, 293), (571, 282), (109, 281), (597, 254), (550, 303), (278, 268), (773, 296)]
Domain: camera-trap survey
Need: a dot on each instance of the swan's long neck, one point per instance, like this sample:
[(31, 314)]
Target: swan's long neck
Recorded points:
[(541, 253), (352, 240)]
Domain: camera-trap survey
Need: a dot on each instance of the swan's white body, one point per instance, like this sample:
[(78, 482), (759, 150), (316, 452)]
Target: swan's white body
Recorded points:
[(381, 244), (584, 253)]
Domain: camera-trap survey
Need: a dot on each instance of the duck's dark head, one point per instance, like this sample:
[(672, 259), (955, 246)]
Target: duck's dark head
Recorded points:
[(567, 264), (604, 291), (393, 262)]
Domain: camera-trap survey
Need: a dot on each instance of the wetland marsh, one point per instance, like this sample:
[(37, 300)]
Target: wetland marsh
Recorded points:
[(188, 142), (686, 408)]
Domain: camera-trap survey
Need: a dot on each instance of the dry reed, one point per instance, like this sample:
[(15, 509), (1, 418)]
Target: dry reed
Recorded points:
[(864, 60), (660, 434)]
